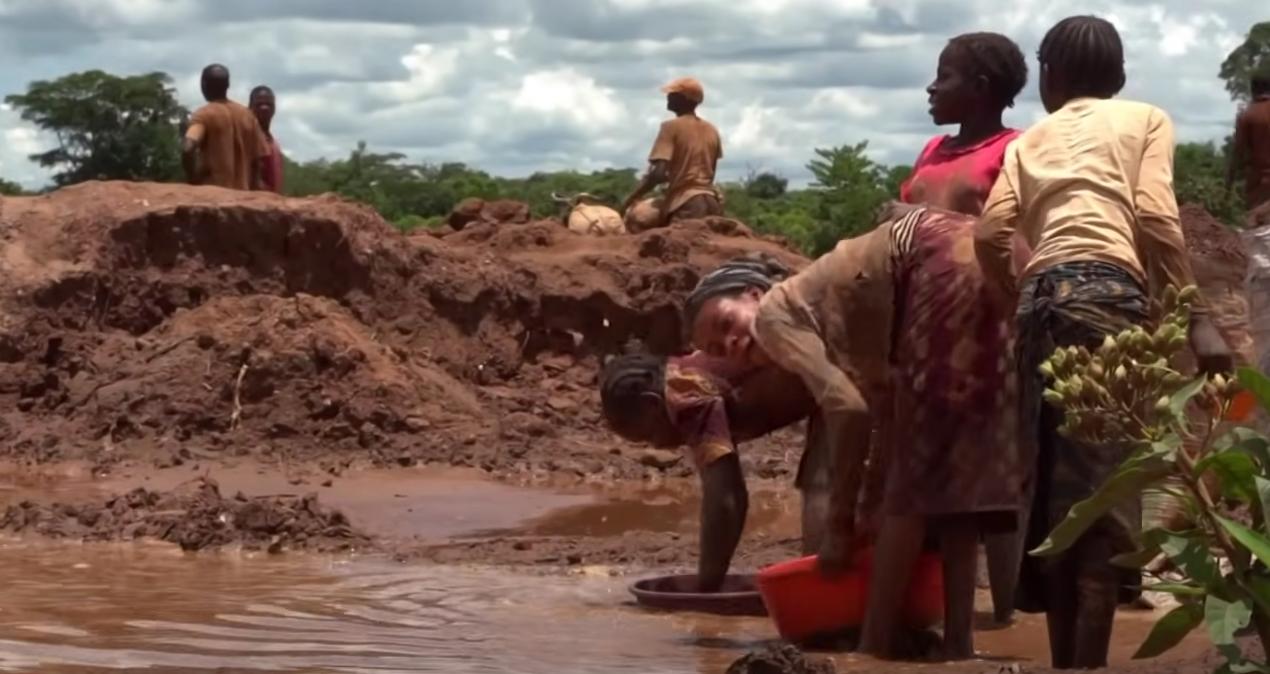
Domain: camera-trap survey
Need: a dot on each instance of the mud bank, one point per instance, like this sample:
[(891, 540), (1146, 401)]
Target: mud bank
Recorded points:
[(149, 322), (196, 516)]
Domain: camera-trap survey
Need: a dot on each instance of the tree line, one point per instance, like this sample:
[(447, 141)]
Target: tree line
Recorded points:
[(110, 127)]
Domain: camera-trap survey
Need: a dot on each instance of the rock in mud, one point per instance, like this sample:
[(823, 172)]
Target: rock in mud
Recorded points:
[(660, 459), (194, 517), (784, 659)]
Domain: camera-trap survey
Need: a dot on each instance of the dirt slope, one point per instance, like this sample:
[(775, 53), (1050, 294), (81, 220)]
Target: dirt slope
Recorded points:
[(138, 319)]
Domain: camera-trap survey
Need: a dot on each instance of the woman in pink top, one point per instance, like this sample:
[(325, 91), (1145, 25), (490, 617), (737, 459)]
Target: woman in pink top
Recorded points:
[(978, 77)]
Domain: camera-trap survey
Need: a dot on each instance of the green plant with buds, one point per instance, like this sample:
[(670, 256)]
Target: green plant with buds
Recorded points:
[(1131, 391)]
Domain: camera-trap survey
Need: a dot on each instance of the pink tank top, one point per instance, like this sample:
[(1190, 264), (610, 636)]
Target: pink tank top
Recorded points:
[(957, 178)]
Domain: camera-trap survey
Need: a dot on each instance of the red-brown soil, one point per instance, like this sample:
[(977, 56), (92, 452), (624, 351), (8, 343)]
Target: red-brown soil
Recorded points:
[(139, 320)]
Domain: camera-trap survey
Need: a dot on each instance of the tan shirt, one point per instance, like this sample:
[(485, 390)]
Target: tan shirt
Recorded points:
[(831, 325), (231, 143), (691, 148), (1091, 182)]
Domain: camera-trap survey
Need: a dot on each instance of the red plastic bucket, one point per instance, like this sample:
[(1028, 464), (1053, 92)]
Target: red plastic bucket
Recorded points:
[(804, 604)]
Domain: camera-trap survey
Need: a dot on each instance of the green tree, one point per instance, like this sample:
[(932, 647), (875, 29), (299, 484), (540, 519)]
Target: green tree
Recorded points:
[(766, 186), (1246, 59), (107, 127), (10, 189), (1199, 177), (850, 187)]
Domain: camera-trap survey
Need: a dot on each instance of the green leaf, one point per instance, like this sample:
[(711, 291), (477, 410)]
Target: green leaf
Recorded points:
[(1177, 404), (1235, 472), (1177, 589), (1258, 587), (1224, 620), (1256, 543), (1192, 555), (1257, 384), (1263, 496), (1135, 475), (1170, 630), (1246, 440)]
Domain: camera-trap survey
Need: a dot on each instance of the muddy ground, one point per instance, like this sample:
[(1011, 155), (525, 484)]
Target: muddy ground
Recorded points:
[(152, 331), (155, 327)]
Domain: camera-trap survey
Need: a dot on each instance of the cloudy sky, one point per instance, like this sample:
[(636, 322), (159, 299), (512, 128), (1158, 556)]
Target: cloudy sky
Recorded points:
[(515, 86)]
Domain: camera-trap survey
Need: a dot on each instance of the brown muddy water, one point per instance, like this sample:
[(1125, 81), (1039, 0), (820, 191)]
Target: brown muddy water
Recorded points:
[(150, 607)]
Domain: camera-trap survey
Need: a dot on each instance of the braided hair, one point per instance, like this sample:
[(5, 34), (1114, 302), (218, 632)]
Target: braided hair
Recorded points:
[(1086, 56), (623, 383), (997, 59)]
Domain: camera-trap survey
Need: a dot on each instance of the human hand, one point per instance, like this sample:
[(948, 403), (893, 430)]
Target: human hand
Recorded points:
[(1212, 353)]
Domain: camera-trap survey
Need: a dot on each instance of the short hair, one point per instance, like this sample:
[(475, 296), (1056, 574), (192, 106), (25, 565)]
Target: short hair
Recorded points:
[(1086, 54), (997, 59), (623, 382), (262, 89)]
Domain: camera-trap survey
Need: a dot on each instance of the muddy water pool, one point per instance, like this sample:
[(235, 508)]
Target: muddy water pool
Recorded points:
[(138, 607), (150, 607)]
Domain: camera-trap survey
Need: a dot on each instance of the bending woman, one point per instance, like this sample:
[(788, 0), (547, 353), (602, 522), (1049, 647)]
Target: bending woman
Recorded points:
[(707, 406), (892, 328)]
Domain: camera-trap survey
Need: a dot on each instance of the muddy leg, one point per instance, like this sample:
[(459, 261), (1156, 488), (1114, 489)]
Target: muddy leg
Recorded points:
[(898, 545), (1005, 555), (1060, 614), (724, 504), (1097, 592), (959, 545), (815, 516)]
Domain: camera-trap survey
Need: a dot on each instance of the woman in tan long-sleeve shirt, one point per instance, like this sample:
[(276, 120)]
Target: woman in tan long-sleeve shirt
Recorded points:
[(1090, 188)]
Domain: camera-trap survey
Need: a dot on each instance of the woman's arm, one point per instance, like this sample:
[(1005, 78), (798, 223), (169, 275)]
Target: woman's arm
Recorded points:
[(796, 347)]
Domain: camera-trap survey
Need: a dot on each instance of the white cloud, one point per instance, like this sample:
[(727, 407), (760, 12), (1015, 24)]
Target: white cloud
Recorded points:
[(514, 86), (569, 94)]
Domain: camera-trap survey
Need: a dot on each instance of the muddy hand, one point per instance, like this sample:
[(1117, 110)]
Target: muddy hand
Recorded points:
[(1212, 354), (835, 554)]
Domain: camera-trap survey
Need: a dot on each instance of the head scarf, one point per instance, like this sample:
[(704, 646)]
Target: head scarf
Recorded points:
[(733, 277)]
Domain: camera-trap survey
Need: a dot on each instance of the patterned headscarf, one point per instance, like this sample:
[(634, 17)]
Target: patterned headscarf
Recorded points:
[(733, 277)]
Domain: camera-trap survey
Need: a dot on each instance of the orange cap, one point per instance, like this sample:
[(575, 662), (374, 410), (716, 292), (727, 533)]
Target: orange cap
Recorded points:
[(689, 87)]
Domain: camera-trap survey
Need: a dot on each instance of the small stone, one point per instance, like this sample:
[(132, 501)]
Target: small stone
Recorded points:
[(521, 546), (574, 559), (659, 458)]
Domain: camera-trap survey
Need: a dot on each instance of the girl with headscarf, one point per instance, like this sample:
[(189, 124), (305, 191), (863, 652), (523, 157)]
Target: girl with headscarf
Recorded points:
[(892, 329)]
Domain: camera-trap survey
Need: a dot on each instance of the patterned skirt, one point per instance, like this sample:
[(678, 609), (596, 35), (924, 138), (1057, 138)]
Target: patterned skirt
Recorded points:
[(1074, 304)]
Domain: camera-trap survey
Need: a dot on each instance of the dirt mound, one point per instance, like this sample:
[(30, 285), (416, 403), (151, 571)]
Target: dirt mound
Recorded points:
[(137, 318), (1260, 216), (1211, 239), (499, 212), (196, 517), (1219, 261)]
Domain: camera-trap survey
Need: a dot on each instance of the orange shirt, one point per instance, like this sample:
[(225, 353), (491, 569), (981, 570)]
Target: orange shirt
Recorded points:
[(691, 148), (230, 142)]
